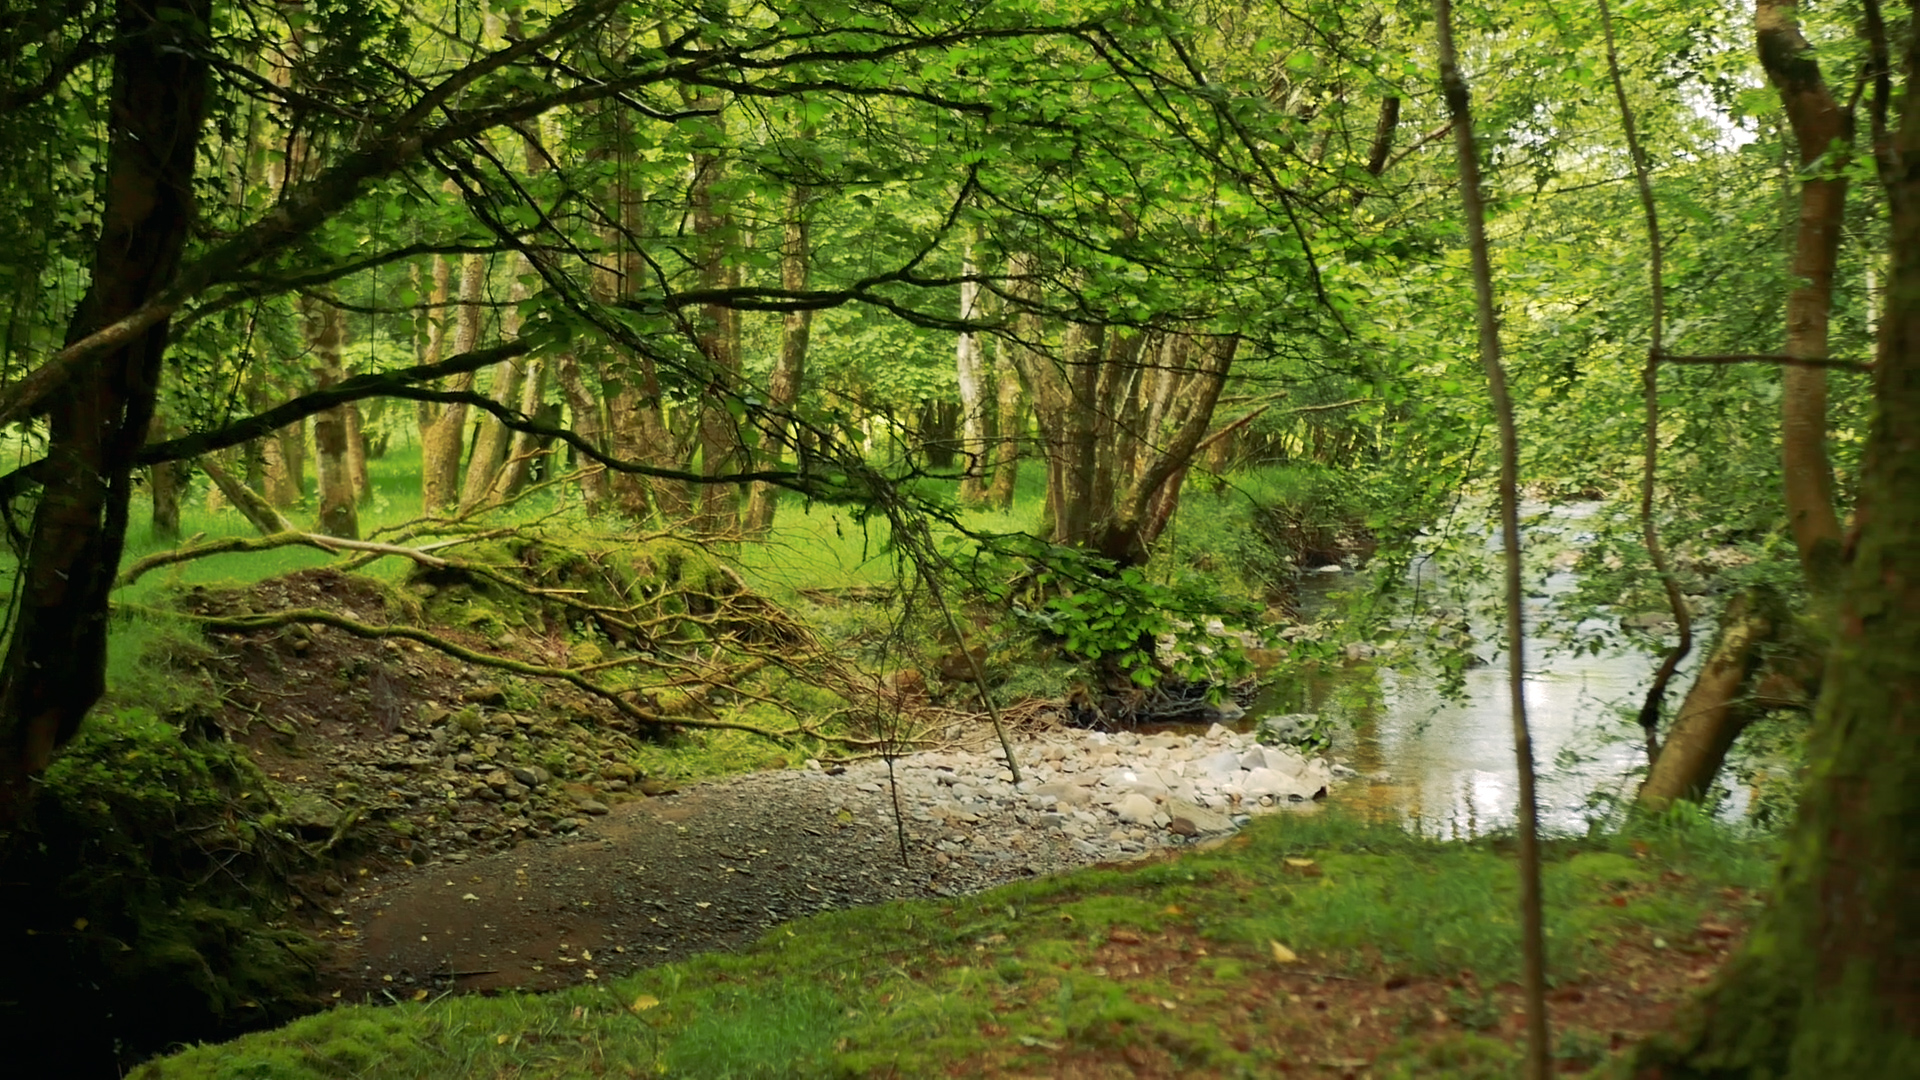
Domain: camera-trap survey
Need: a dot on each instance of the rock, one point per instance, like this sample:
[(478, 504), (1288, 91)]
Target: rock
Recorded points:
[(1255, 758), (653, 788), (1225, 712), (618, 770), (1199, 817), (498, 779), (308, 812), (485, 694), (532, 776), (1065, 793), (1136, 809), (1360, 650), (592, 806), (1180, 826)]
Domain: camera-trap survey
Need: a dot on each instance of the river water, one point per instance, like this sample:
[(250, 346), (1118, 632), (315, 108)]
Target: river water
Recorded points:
[(1444, 764)]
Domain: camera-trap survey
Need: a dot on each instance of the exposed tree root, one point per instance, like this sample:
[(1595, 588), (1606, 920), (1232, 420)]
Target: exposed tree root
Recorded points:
[(252, 624)]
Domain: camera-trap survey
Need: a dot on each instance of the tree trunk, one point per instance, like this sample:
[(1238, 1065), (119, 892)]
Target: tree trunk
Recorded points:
[(445, 438), (330, 435), (164, 482), (55, 667), (1714, 712), (357, 452), (1009, 424), (587, 423), (1828, 984), (258, 511), (1824, 131), (518, 468), (493, 447), (970, 368), (783, 386)]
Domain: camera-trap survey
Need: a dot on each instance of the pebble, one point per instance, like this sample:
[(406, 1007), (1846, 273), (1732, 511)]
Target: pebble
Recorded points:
[(1087, 795)]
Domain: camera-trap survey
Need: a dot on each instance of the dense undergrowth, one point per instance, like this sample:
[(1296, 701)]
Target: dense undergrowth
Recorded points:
[(1220, 962)]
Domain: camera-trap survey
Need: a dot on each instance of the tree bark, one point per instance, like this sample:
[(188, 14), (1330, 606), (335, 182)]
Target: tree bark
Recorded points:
[(1009, 425), (1824, 131), (258, 511), (1828, 983), (789, 368), (445, 439), (330, 437), (1714, 712), (970, 369), (55, 666)]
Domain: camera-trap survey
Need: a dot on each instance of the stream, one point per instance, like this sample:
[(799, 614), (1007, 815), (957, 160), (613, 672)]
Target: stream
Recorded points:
[(1445, 765)]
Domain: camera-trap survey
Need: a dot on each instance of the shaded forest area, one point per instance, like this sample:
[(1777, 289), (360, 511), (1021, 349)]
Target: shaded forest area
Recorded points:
[(814, 382)]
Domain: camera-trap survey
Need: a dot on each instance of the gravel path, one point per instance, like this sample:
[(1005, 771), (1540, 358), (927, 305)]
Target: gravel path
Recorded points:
[(713, 866)]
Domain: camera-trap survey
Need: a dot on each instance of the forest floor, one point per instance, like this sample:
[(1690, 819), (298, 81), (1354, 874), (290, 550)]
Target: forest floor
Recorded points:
[(494, 836)]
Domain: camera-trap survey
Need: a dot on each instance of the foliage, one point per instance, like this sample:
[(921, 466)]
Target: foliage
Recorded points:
[(1119, 618)]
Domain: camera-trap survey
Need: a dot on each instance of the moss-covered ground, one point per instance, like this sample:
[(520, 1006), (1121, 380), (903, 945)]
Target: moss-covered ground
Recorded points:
[(1311, 943)]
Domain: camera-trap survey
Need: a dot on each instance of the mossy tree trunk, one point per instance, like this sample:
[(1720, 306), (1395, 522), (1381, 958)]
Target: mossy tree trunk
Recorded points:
[(1828, 984), (55, 667)]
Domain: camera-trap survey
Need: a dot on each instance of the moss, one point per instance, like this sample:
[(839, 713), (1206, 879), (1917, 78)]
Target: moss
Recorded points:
[(143, 884)]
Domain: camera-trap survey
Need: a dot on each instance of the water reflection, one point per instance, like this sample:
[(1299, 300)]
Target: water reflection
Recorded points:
[(1445, 764)]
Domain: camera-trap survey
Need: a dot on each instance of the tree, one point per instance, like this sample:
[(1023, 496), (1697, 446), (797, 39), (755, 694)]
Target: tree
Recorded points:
[(958, 117), (1828, 983)]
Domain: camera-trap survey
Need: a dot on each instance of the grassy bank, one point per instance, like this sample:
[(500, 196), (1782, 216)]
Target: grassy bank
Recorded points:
[(1308, 941)]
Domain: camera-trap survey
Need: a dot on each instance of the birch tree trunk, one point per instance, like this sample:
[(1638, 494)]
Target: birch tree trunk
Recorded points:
[(1010, 421)]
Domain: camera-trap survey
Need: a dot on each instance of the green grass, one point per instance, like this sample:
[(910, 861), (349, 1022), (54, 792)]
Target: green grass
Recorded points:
[(911, 988)]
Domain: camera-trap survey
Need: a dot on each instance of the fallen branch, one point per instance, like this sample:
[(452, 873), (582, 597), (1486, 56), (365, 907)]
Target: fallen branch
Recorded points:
[(332, 545)]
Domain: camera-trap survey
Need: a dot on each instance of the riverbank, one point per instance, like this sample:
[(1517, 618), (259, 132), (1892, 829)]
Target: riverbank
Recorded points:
[(1305, 941)]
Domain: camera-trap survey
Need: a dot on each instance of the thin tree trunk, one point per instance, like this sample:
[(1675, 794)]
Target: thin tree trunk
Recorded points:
[(586, 423), (445, 438), (970, 369), (783, 386), (1532, 924), (163, 483), (1009, 425), (258, 511), (357, 452), (518, 468), (1713, 713)]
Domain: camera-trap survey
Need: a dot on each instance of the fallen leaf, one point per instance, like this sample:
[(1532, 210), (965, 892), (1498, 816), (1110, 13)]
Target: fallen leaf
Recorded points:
[(419, 995), (1167, 1005), (1299, 864), (500, 1040), (703, 904), (80, 923), (1282, 954), (1030, 1040), (586, 954), (1124, 937), (643, 1003), (469, 897)]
